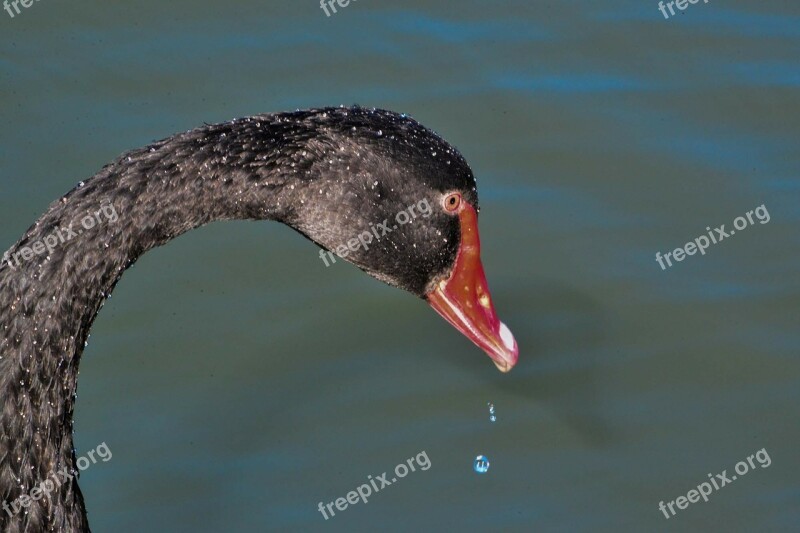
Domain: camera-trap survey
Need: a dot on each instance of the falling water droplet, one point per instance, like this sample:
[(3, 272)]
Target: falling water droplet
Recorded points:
[(492, 416), (481, 464)]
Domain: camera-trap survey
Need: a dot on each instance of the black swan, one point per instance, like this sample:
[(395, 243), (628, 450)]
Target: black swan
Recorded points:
[(331, 174)]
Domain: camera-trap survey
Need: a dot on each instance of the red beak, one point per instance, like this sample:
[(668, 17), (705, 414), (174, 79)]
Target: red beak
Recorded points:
[(463, 299)]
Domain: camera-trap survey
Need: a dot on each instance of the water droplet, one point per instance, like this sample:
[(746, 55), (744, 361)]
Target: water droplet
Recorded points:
[(492, 416), (481, 464)]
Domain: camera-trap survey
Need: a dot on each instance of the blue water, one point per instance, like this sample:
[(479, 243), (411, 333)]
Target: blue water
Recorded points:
[(239, 382)]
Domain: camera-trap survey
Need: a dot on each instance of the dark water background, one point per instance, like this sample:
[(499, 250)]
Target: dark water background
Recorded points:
[(238, 382)]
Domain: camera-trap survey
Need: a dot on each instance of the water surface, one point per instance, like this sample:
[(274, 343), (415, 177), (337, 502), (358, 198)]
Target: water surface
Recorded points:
[(239, 382)]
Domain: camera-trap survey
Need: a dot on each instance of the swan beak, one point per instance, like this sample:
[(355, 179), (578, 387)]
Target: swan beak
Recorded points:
[(463, 299)]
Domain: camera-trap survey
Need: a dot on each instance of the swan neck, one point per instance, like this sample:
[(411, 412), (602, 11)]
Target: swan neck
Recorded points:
[(54, 281)]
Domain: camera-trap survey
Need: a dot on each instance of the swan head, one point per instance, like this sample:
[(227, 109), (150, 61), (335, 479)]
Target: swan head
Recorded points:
[(383, 192)]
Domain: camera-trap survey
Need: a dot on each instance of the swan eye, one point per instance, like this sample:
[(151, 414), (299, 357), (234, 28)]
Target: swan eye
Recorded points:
[(452, 202)]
